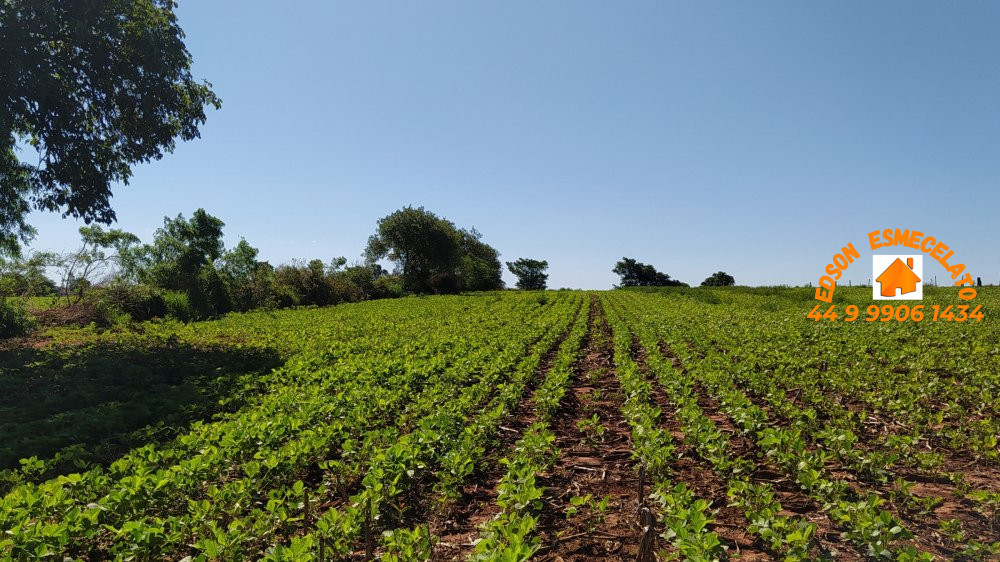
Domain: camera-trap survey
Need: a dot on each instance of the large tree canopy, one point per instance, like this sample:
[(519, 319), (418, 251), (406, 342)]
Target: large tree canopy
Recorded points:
[(433, 255), (93, 87), (479, 268)]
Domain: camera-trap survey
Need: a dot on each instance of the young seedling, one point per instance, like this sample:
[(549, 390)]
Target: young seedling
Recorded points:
[(592, 428)]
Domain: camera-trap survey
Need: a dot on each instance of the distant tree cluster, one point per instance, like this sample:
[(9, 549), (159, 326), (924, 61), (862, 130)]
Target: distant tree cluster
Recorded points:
[(186, 271), (719, 279), (433, 255), (638, 274), (188, 260), (530, 273)]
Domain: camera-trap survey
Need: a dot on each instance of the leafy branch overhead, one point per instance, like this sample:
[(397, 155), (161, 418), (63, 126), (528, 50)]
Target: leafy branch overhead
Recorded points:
[(89, 89)]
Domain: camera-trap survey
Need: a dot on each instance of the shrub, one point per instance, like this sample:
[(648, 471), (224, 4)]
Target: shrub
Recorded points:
[(387, 287), (140, 302), (15, 319), (285, 296), (209, 297), (177, 305), (344, 290)]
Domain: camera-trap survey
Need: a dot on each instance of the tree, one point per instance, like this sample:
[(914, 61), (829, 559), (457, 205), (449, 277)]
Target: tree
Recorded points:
[(249, 283), (530, 273), (93, 88), (98, 256), (182, 258), (719, 279), (178, 253), (479, 268), (432, 255), (423, 245), (370, 280), (25, 276), (638, 274)]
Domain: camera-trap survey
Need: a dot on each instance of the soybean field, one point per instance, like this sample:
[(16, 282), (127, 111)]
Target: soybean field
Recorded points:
[(690, 424)]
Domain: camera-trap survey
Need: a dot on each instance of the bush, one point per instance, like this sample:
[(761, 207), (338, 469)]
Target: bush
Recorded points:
[(209, 297), (285, 296), (343, 289), (387, 287), (177, 305), (14, 319), (140, 302)]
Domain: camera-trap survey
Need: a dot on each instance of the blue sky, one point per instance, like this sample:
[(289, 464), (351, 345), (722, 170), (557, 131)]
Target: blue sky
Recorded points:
[(757, 138)]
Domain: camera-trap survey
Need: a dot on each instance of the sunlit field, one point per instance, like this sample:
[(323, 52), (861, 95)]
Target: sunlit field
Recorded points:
[(509, 424)]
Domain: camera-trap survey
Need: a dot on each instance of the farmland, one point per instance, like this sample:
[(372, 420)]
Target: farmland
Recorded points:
[(696, 424)]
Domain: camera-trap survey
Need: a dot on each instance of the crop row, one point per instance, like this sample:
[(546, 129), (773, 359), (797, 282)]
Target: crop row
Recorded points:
[(510, 535), (439, 454), (803, 444), (789, 536), (240, 483)]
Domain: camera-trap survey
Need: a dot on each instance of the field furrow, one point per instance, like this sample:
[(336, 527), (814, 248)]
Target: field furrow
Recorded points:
[(592, 489)]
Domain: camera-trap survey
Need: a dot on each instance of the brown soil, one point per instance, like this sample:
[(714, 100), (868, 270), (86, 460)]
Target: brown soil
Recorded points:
[(600, 466), (794, 501), (73, 314), (925, 526), (457, 525), (980, 472)]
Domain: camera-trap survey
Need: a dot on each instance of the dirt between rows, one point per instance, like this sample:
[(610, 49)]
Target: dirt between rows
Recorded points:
[(595, 463), (457, 526), (731, 524), (926, 527), (591, 493)]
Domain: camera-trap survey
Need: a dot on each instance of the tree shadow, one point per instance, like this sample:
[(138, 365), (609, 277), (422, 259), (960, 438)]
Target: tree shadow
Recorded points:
[(80, 405)]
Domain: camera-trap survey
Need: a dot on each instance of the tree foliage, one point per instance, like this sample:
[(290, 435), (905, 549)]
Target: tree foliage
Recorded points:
[(99, 256), (719, 279), (24, 275), (433, 255), (479, 265), (93, 88), (182, 258), (638, 274), (179, 252), (530, 273), (423, 245)]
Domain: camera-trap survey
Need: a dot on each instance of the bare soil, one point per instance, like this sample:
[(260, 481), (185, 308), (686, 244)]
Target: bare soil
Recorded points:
[(595, 461)]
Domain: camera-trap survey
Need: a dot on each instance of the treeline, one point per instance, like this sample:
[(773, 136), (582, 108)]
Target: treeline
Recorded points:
[(186, 272), (637, 274)]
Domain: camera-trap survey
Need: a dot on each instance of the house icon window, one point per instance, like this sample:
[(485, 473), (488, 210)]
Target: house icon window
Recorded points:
[(897, 277)]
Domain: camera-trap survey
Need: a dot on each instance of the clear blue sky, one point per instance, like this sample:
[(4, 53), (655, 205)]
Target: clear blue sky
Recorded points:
[(756, 138)]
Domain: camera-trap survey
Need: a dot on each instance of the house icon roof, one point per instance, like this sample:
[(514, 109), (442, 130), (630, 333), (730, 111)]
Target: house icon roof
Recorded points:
[(898, 276)]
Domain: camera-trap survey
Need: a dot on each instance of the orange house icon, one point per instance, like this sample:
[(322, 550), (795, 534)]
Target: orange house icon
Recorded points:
[(898, 276)]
